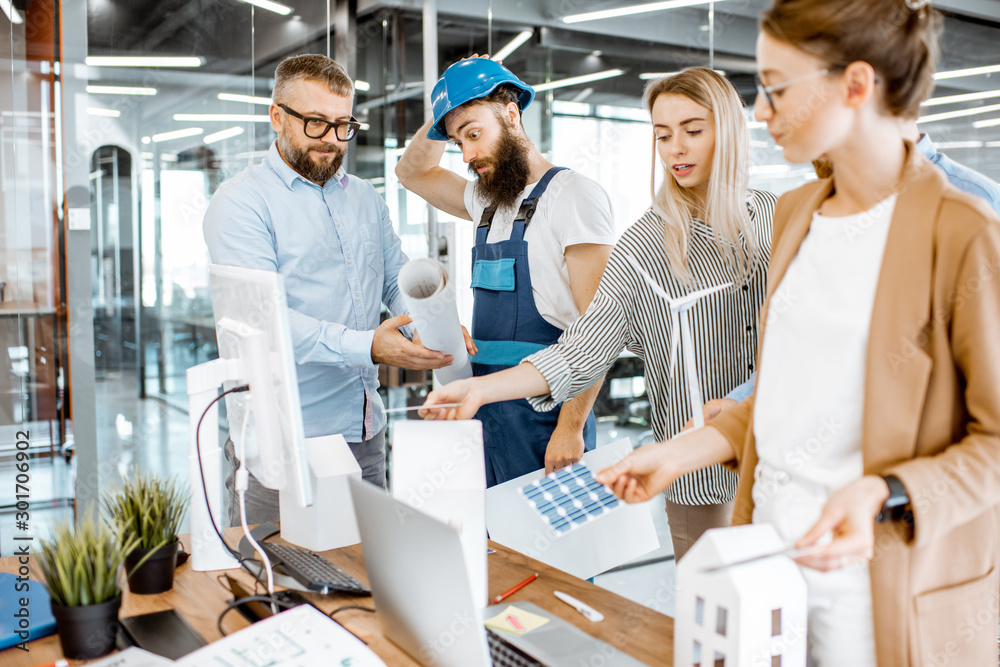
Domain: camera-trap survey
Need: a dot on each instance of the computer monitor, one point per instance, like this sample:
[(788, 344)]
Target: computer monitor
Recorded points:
[(251, 319)]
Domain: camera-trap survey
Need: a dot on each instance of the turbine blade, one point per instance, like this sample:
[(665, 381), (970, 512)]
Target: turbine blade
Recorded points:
[(649, 280)]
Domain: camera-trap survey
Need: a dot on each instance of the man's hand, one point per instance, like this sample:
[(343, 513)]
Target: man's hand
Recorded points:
[(640, 475), (712, 409), (459, 391), (470, 345), (565, 448), (391, 347), (849, 515)]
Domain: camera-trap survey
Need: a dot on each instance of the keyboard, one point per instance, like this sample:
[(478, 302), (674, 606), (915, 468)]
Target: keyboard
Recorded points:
[(505, 654), (312, 570)]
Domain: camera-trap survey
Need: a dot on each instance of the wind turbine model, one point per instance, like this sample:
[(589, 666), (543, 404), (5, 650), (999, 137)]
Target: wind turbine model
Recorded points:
[(679, 325)]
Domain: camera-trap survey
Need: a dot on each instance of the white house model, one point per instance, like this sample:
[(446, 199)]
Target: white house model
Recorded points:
[(748, 615)]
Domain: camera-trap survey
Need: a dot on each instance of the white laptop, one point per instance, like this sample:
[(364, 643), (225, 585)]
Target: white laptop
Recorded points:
[(425, 604)]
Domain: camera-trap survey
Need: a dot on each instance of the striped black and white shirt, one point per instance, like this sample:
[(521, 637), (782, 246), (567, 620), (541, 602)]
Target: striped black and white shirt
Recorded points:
[(627, 313)]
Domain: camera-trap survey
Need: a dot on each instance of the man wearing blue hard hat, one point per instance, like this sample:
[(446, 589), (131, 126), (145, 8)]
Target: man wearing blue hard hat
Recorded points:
[(543, 238)]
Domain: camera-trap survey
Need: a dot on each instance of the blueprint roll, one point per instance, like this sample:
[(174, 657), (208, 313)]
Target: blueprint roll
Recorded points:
[(430, 298)]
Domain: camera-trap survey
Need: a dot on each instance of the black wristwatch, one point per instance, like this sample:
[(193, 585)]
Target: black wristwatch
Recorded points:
[(897, 506)]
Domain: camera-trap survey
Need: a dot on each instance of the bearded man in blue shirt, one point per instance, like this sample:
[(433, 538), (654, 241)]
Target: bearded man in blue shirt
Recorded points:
[(329, 234)]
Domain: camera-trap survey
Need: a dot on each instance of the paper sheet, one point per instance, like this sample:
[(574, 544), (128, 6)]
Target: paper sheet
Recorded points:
[(430, 298), (438, 467), (606, 542), (300, 637), (517, 621)]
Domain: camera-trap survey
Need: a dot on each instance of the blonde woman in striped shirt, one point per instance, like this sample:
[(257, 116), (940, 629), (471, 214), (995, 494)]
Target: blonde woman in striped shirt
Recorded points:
[(704, 228)]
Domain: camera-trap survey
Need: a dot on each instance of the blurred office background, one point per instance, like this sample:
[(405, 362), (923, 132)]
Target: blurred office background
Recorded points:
[(121, 118)]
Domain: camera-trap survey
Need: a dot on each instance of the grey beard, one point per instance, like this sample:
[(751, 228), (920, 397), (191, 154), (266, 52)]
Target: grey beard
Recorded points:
[(299, 160)]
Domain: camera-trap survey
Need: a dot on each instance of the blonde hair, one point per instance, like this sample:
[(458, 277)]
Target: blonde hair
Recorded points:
[(726, 205)]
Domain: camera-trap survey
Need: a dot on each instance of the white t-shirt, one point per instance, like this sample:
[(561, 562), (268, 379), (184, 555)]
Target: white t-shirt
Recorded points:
[(573, 210), (811, 388)]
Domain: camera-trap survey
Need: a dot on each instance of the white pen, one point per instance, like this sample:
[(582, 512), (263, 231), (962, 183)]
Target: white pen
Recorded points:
[(588, 612), (423, 407)]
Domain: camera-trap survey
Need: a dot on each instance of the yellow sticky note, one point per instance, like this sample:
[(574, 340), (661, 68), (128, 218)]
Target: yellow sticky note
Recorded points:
[(517, 621)]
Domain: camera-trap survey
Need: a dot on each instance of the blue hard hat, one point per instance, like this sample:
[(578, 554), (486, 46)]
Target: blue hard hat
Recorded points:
[(467, 80)]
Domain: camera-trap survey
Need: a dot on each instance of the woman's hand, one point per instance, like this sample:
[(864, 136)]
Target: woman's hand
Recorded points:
[(459, 391), (849, 514), (640, 475)]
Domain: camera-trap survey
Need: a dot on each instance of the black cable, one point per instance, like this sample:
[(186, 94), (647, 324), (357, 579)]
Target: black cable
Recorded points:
[(233, 604), (350, 606), (201, 468)]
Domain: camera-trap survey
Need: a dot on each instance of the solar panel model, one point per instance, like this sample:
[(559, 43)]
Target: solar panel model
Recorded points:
[(569, 498)]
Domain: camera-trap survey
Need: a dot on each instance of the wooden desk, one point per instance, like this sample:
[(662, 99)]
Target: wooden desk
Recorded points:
[(637, 630)]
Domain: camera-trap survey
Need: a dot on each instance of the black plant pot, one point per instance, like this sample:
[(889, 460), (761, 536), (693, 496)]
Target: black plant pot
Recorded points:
[(88, 631), (156, 574)]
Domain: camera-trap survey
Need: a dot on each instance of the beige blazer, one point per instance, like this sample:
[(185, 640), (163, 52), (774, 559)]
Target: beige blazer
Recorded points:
[(931, 415)]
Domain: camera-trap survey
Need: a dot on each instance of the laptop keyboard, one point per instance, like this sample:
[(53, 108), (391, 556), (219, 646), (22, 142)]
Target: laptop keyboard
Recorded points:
[(312, 570), (505, 654)]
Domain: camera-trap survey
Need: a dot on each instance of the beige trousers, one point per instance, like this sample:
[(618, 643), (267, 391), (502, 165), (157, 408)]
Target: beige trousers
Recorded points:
[(688, 522)]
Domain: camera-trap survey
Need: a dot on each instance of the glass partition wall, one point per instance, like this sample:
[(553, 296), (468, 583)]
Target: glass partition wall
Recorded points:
[(114, 139)]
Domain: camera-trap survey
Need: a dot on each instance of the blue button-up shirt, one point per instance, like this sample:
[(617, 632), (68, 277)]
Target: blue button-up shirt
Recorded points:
[(338, 253), (960, 176)]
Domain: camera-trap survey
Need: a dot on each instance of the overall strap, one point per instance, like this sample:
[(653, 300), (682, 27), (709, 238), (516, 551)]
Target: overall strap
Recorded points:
[(485, 222), (530, 203)]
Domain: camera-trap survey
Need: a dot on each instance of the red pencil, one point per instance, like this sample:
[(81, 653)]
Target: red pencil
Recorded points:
[(521, 585)]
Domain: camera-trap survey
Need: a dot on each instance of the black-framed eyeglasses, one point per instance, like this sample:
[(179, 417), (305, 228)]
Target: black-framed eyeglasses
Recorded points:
[(765, 91), (317, 128)]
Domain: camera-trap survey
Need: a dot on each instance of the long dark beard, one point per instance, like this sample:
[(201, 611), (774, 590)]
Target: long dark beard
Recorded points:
[(502, 185), (300, 161)]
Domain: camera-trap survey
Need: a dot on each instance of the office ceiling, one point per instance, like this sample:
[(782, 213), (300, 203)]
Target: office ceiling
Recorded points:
[(220, 32)]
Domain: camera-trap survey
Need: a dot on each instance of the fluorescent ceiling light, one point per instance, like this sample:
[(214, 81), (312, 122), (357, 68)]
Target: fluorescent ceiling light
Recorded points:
[(993, 144), (513, 44), (120, 90), (144, 61), (964, 97), (961, 113), (11, 13), (249, 99), (633, 9), (363, 86), (177, 134), (972, 71), (947, 145), (270, 6), (992, 122), (222, 134), (146, 140), (574, 80), (646, 76), (110, 113), (224, 117)]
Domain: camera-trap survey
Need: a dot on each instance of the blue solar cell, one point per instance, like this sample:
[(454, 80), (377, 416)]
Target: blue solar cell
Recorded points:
[(578, 517), (562, 525), (610, 502)]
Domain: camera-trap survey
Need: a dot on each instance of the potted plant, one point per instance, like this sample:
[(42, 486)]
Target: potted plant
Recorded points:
[(80, 565), (150, 509)]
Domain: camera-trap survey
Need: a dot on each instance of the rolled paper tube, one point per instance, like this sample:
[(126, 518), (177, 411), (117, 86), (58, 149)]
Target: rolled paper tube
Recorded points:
[(430, 298)]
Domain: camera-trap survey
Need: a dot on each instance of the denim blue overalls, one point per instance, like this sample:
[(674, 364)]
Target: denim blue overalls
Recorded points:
[(507, 328)]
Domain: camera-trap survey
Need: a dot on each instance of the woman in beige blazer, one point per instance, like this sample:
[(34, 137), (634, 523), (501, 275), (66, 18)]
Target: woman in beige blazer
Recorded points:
[(922, 431)]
